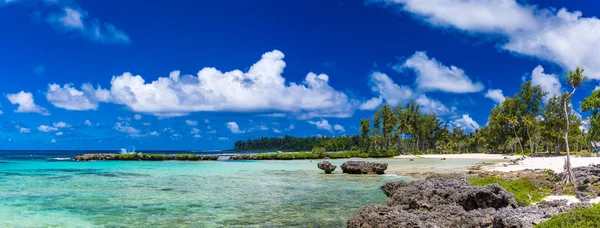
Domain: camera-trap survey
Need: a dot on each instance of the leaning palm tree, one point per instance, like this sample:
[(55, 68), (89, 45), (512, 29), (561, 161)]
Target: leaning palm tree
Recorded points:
[(575, 79)]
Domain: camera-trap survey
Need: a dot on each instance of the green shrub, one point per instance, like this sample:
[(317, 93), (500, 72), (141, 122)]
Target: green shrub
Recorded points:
[(578, 218), (384, 154), (524, 189), (319, 152)]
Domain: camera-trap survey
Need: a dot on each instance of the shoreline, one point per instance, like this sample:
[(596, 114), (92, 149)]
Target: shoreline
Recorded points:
[(477, 156), (555, 164)]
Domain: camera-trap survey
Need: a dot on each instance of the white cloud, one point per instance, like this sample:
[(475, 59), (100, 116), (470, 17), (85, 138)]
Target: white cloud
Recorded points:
[(387, 90), (69, 98), (563, 37), (46, 128), (191, 122), (197, 136), (59, 133), (433, 106), (496, 95), (291, 127), (24, 130), (88, 123), (125, 128), (234, 128), (276, 130), (223, 138), (322, 124), (435, 76), (195, 131), (1, 112), (26, 103), (53, 141), (263, 128), (206, 121), (61, 124), (154, 133), (466, 123), (261, 88), (146, 124), (548, 82), (339, 128), (137, 117), (75, 20)]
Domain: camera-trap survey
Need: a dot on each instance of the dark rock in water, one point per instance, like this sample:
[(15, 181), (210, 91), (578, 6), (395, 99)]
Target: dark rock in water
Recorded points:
[(326, 166), (362, 167), (451, 202)]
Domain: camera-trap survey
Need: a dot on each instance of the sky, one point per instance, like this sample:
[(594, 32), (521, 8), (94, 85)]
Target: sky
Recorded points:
[(198, 75)]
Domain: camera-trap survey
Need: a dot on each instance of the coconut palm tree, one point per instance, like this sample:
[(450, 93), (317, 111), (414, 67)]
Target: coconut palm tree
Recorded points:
[(575, 79)]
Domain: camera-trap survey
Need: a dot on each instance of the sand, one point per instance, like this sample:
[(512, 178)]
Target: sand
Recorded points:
[(460, 156), (553, 163)]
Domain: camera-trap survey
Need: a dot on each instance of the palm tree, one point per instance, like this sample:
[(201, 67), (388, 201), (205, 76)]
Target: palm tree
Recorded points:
[(575, 79)]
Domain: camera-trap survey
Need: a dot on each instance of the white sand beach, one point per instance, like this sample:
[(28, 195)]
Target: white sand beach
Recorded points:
[(460, 156), (554, 163)]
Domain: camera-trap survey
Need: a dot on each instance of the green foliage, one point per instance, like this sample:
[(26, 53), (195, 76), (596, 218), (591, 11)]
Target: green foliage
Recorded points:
[(290, 143), (187, 157), (578, 218), (525, 190), (348, 154), (319, 152), (384, 154)]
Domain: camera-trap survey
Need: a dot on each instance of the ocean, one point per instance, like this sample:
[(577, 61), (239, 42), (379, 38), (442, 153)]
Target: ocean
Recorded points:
[(47, 189)]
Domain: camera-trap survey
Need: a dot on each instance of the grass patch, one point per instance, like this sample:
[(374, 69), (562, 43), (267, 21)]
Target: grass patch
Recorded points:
[(578, 218), (526, 191)]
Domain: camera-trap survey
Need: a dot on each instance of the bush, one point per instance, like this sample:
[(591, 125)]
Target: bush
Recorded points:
[(524, 189), (319, 152), (384, 154), (578, 218)]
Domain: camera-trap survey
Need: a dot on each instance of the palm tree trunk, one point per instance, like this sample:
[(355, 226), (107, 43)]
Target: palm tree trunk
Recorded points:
[(568, 178)]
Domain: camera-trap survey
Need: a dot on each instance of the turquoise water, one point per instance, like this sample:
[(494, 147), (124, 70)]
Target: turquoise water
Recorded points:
[(42, 193)]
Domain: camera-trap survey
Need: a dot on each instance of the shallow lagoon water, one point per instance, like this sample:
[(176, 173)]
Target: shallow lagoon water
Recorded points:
[(43, 193)]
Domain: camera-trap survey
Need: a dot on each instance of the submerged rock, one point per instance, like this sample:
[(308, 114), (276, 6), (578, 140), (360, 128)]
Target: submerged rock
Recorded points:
[(452, 202), (362, 167), (326, 166)]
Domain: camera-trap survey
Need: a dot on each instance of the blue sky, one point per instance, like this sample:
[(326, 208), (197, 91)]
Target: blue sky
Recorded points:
[(202, 74)]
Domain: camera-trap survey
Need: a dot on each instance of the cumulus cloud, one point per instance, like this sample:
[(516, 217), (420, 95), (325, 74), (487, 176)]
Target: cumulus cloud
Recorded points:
[(261, 88), (88, 123), (24, 130), (339, 128), (431, 106), (276, 130), (432, 75), (560, 36), (46, 128), (496, 95), (26, 103), (548, 82), (154, 133), (59, 133), (69, 98), (466, 122), (191, 122), (61, 124), (322, 124), (385, 89), (75, 20), (53, 141), (390, 92), (137, 117), (234, 128), (124, 127)]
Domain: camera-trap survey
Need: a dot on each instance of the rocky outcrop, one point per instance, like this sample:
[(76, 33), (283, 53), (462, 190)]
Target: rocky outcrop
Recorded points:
[(326, 166), (588, 181), (452, 202), (362, 167), (144, 157)]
